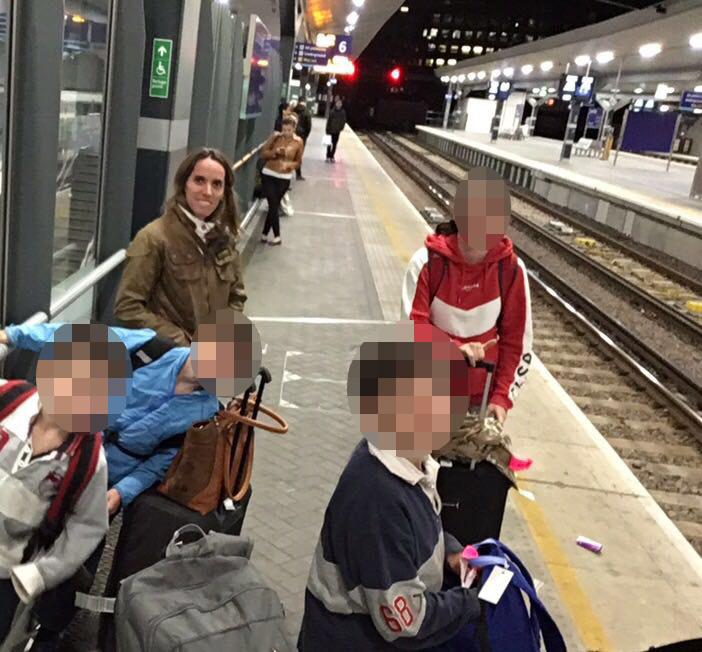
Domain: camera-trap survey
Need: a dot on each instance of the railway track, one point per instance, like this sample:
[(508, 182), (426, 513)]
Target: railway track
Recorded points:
[(652, 428), (682, 387)]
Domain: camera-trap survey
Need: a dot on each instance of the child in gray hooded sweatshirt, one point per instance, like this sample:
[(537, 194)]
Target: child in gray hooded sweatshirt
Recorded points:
[(37, 440)]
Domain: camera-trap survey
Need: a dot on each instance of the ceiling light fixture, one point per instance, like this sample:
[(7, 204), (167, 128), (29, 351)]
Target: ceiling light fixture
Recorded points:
[(404, 9), (481, 74), (527, 69), (352, 18), (546, 65), (650, 50), (696, 41), (638, 90), (359, 3), (582, 60), (461, 78), (508, 72), (605, 57), (471, 76)]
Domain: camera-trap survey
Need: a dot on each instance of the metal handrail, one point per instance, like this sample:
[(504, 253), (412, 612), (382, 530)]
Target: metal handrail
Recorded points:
[(244, 159), (103, 269)]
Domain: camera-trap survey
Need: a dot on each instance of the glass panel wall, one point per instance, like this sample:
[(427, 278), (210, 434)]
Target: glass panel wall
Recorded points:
[(5, 6), (83, 87)]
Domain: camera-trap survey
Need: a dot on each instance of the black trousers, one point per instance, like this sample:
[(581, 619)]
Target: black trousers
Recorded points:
[(273, 190), (298, 172), (8, 604), (56, 608), (331, 149)]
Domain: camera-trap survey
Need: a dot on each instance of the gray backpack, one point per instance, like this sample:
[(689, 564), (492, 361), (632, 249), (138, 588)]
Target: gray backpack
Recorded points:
[(203, 596)]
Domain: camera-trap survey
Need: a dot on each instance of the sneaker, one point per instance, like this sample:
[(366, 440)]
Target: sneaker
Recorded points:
[(276, 241), (332, 159), (264, 238)]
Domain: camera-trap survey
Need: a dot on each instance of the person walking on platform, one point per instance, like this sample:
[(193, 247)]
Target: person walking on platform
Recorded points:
[(283, 110), (185, 265), (283, 155), (304, 127), (468, 282), (335, 125)]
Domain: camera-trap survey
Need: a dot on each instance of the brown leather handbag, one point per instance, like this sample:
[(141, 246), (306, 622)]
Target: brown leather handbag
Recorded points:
[(216, 460)]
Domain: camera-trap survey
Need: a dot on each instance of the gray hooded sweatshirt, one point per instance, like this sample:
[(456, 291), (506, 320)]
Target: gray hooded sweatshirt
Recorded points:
[(27, 487)]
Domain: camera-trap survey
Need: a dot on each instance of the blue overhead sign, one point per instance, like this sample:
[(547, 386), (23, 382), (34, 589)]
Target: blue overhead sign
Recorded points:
[(499, 90), (307, 54), (690, 100), (576, 87), (342, 46)]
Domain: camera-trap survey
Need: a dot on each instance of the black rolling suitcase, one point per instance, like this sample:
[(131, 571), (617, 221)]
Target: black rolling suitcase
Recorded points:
[(149, 522), (473, 495)]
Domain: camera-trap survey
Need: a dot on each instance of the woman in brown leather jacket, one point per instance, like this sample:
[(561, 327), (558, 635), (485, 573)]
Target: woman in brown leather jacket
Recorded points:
[(184, 265), (283, 155)]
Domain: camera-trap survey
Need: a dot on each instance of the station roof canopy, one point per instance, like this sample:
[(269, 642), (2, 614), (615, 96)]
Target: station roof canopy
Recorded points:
[(671, 24), (330, 17)]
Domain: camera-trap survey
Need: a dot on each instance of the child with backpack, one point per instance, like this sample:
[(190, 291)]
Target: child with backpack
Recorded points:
[(53, 473), (378, 570), (467, 281)]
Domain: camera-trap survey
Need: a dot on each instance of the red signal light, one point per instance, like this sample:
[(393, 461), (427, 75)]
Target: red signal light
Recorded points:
[(395, 75)]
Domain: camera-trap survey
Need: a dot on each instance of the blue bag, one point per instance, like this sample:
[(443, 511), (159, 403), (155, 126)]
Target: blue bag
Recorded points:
[(508, 626)]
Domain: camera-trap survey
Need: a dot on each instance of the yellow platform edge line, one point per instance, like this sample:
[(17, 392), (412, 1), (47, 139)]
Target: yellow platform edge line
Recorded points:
[(573, 596)]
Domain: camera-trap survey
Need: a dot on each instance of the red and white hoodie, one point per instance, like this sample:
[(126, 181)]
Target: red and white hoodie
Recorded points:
[(467, 305)]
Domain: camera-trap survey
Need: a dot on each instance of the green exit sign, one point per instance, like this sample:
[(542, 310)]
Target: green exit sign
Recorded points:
[(161, 68)]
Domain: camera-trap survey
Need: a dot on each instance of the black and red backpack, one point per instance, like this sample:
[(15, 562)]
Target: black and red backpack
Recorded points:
[(83, 450)]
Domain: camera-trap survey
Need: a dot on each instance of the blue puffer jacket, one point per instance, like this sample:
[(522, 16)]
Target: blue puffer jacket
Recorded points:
[(154, 413)]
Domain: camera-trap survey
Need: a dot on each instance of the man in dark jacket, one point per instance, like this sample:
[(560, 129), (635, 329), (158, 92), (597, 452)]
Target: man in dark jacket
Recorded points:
[(304, 127), (335, 125)]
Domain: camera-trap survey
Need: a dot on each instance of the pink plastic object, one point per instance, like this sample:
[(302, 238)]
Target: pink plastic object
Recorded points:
[(516, 464), (469, 552)]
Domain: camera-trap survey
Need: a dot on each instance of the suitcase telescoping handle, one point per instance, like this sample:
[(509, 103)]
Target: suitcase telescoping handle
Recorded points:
[(490, 369)]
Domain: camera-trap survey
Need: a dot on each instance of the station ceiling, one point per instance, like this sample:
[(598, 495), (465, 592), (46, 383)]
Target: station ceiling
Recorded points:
[(623, 36), (329, 16)]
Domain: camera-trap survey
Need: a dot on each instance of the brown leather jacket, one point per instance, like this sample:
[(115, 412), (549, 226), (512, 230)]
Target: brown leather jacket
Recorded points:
[(172, 279), (283, 162)]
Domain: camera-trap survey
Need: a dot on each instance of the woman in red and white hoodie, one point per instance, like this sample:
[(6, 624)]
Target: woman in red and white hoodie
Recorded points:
[(468, 282)]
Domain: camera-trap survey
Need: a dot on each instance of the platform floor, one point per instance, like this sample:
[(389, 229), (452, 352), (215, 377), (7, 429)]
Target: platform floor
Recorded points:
[(336, 280), (642, 180)]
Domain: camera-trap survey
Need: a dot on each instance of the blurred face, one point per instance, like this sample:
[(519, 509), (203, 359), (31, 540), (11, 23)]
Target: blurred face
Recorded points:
[(226, 353), (204, 188), (339, 104), (288, 131), (77, 392), (480, 212), (415, 412), (412, 417)]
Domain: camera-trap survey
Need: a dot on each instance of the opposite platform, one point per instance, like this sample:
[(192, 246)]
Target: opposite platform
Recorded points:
[(637, 197)]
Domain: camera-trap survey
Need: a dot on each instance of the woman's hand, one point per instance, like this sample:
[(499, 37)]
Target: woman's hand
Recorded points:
[(3, 337), (475, 351), (114, 500), (497, 412)]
